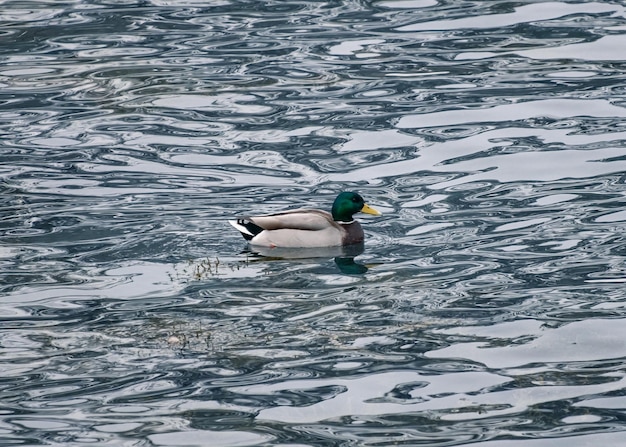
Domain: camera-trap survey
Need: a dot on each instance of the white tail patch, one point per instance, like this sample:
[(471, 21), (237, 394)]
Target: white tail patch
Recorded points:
[(240, 227)]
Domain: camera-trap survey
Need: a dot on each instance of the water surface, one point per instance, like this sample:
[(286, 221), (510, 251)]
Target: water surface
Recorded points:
[(487, 306)]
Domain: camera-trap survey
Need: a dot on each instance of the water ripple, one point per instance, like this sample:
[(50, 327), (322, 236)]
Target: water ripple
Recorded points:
[(486, 305)]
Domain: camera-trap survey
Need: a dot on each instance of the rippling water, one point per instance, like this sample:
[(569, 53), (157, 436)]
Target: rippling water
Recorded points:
[(487, 308)]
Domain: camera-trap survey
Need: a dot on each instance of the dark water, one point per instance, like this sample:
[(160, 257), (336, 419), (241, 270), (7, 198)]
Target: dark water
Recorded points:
[(491, 135)]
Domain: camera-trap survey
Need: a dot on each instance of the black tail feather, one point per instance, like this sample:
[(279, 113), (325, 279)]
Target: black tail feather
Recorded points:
[(251, 227)]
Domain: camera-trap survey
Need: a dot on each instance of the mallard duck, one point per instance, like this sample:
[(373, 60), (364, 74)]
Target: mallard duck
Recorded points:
[(304, 228)]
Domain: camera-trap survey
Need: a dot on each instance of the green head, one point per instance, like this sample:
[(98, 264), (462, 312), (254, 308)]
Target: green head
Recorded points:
[(349, 203)]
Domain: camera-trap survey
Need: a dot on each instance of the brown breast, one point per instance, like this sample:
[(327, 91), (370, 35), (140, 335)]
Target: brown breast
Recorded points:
[(354, 233)]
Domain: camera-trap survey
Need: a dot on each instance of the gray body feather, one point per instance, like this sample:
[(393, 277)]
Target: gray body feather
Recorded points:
[(299, 229)]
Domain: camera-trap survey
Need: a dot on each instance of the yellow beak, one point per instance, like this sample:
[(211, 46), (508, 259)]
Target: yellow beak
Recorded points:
[(369, 210)]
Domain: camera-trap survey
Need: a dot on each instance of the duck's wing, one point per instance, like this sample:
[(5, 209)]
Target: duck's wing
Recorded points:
[(297, 229), (302, 219)]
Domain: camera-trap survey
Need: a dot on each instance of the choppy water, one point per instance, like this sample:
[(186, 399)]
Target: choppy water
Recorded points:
[(491, 134)]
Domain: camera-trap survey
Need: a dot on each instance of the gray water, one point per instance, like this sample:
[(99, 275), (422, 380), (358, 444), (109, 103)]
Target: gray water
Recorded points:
[(487, 307)]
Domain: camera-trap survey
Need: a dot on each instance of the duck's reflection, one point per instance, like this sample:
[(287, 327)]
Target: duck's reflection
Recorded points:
[(344, 256)]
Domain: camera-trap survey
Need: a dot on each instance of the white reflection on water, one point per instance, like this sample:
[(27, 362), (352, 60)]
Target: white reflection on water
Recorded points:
[(369, 395), (606, 48), (369, 140), (231, 103), (408, 4), (518, 111), (204, 438), (461, 396), (522, 14), (605, 439), (580, 341), (137, 280), (509, 166)]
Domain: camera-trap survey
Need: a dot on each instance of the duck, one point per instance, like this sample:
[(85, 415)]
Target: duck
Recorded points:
[(308, 228)]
